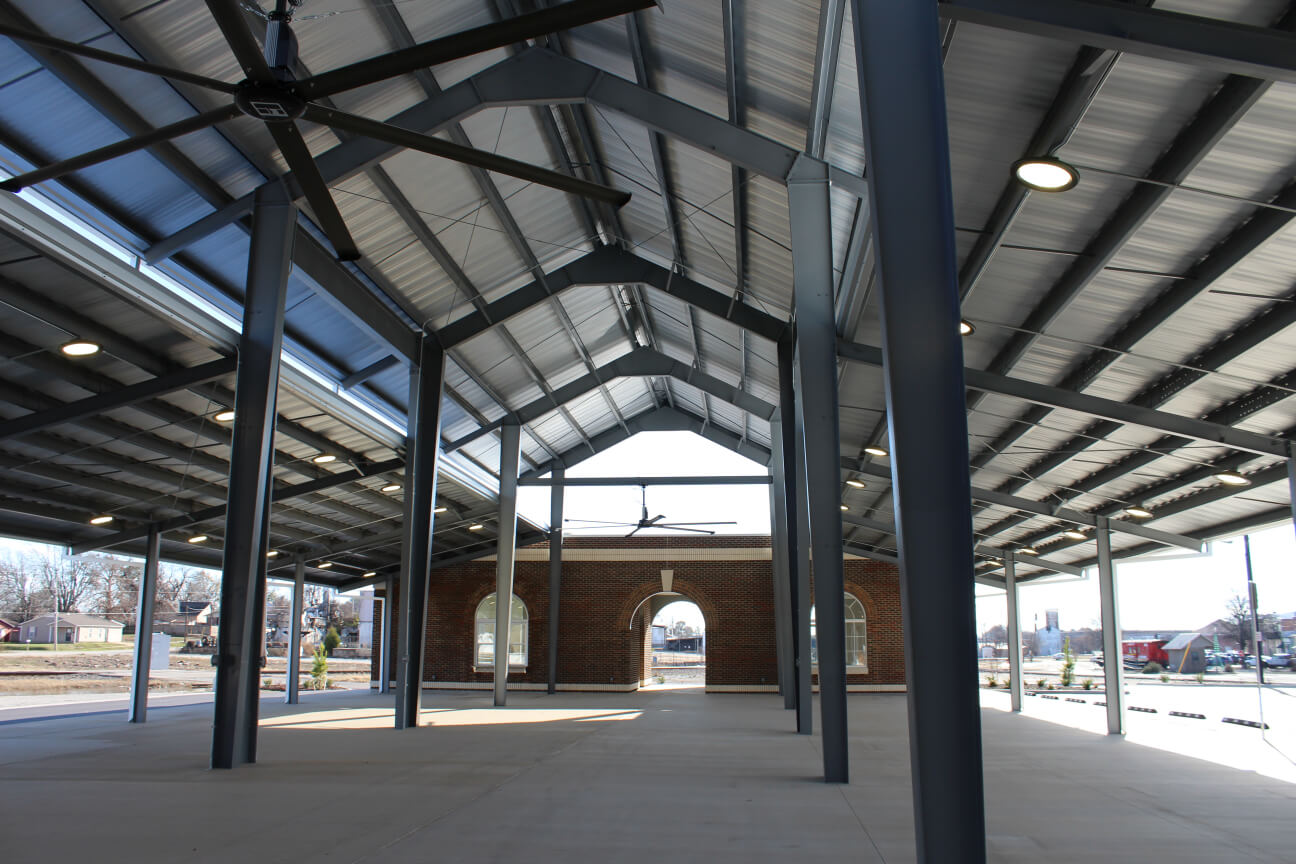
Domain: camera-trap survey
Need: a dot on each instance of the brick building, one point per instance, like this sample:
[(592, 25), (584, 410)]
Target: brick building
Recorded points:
[(612, 589)]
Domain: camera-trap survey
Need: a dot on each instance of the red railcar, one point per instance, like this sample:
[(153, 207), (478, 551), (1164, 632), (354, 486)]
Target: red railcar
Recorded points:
[(1144, 651)]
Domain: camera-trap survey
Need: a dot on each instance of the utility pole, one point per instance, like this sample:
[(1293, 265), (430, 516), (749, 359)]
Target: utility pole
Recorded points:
[(1255, 613)]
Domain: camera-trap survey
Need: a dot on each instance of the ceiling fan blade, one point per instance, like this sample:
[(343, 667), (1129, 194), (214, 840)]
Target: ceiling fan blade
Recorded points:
[(120, 148), (692, 530), (594, 523), (115, 59), (1253, 296), (297, 155), (656, 518), (635, 531), (677, 524), (229, 18), (467, 155), (465, 44)]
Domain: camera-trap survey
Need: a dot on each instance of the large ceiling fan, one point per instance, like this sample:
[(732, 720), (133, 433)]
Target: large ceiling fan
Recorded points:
[(271, 93), (644, 521)]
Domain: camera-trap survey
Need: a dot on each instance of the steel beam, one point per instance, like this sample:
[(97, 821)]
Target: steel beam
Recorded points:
[(506, 554), (145, 605), (1291, 482), (128, 395), (1113, 657), (251, 462), (1014, 633), (719, 480), (809, 210), (1237, 49), (423, 439), (1029, 561), (799, 540), (779, 549), (1072, 400), (292, 677), (555, 577), (898, 58), (388, 637)]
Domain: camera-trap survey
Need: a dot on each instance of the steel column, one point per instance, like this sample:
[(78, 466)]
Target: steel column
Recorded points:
[(798, 534), (293, 675), (1014, 631), (423, 438), (1291, 482), (506, 546), (779, 570), (138, 711), (809, 213), (555, 574), (898, 58), (385, 648), (274, 221), (1113, 658)]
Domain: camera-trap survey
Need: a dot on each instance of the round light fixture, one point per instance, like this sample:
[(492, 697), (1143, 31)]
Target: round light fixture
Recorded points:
[(392, 487), (476, 527), (1046, 174), (324, 458), (224, 416), (875, 451), (324, 565), (856, 484), (1232, 478), (273, 553), (1137, 512), (198, 538), (101, 520), (1075, 534), (79, 348), (965, 327), (844, 507), (440, 509), (371, 574), (1027, 550)]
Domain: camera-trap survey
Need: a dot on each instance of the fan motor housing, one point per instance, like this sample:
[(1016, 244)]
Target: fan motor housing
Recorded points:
[(271, 104)]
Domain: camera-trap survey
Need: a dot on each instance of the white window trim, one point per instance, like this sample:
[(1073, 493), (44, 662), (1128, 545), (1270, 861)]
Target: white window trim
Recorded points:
[(526, 637)]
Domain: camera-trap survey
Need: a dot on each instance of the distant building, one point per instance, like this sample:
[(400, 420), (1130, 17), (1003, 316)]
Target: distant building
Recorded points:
[(73, 627), (9, 631), (1187, 653)]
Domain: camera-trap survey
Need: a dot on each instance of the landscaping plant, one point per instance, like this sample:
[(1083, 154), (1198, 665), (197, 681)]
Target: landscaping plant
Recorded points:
[(319, 669)]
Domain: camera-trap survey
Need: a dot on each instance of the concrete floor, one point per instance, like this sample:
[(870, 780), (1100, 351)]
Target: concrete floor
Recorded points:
[(669, 775)]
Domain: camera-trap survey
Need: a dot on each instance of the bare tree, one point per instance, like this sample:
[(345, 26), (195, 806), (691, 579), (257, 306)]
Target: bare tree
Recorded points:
[(21, 598), (68, 581)]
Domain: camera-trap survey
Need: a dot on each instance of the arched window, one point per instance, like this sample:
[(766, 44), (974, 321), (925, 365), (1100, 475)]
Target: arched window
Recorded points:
[(485, 633), (856, 636)]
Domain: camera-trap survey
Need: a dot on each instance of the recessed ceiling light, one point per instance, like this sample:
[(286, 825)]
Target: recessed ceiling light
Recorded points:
[(844, 507), (79, 348), (198, 538), (965, 327), (324, 457), (392, 487), (370, 574), (324, 565), (875, 451), (273, 553), (856, 484), (1075, 534), (1046, 174), (440, 509), (224, 416), (1027, 550), (101, 520), (477, 527), (1137, 512), (1232, 478)]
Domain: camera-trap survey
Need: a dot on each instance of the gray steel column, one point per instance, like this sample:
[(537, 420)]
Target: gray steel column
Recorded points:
[(816, 352), (506, 546), (1014, 632), (798, 535), (385, 638), (293, 674), (251, 459), (555, 573), (1113, 658), (422, 443), (144, 606), (898, 58), (1291, 482), (779, 570)]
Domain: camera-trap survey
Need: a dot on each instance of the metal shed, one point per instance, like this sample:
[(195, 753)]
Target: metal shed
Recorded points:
[(1187, 653)]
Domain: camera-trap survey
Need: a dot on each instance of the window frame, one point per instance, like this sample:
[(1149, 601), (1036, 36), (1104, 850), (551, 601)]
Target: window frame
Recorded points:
[(524, 621), (851, 669)]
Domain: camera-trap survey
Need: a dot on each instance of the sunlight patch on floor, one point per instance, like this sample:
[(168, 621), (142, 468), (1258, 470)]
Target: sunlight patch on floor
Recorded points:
[(383, 718)]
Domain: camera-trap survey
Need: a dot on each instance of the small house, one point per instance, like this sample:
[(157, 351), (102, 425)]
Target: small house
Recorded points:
[(9, 631), (1187, 653), (72, 627)]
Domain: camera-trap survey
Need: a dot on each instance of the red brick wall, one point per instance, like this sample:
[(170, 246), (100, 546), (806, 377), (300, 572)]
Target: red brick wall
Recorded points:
[(604, 631)]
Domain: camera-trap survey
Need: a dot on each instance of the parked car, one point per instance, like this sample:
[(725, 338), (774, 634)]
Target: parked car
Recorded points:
[(1278, 661)]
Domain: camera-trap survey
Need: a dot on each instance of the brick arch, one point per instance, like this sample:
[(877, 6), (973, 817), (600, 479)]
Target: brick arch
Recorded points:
[(640, 594)]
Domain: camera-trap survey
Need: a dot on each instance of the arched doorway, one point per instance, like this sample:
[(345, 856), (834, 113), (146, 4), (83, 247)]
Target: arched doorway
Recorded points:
[(678, 643)]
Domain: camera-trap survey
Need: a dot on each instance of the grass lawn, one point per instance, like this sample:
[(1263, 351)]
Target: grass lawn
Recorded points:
[(18, 647)]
